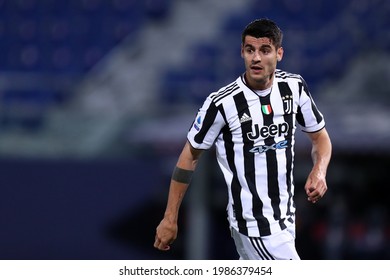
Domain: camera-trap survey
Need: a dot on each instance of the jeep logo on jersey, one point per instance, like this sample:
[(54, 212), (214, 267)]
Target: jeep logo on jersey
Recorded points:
[(264, 132)]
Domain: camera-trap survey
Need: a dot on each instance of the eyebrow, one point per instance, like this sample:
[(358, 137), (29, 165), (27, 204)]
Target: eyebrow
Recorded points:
[(262, 46)]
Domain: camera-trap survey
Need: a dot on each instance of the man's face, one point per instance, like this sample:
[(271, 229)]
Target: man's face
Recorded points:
[(260, 57)]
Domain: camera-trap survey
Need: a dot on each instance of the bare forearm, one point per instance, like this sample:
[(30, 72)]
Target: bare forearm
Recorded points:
[(166, 231), (316, 186), (175, 198), (181, 178), (321, 152)]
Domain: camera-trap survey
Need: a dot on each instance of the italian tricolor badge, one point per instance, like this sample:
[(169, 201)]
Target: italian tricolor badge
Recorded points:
[(266, 109)]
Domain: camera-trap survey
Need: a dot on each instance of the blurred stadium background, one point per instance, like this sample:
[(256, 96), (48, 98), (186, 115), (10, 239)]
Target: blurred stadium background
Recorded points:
[(96, 97)]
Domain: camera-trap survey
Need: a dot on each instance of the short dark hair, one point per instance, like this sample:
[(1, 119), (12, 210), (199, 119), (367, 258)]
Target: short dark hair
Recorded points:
[(264, 28)]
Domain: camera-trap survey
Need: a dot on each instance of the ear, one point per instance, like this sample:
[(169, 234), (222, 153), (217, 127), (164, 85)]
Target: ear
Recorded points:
[(242, 51), (279, 54)]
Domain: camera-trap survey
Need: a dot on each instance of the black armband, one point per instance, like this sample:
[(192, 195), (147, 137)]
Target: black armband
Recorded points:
[(182, 175)]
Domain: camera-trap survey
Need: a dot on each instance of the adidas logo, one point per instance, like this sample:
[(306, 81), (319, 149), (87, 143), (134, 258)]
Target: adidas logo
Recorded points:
[(245, 118)]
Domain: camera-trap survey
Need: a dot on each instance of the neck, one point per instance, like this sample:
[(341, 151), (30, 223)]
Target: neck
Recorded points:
[(259, 84)]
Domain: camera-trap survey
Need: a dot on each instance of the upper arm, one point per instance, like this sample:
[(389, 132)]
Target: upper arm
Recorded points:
[(189, 157), (321, 146), (318, 135), (195, 153)]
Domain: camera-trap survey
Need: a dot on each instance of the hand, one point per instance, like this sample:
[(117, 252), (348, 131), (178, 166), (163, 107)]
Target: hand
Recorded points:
[(166, 234), (315, 186)]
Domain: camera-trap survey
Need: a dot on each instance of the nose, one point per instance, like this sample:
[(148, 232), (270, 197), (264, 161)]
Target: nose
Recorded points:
[(256, 56)]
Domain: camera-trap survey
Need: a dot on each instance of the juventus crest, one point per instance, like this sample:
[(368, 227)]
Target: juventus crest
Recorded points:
[(287, 104)]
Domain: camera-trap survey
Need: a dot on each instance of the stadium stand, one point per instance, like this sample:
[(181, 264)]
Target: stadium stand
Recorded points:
[(50, 48), (322, 41), (55, 43)]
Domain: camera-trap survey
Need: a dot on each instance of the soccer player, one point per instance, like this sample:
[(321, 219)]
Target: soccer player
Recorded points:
[(252, 123)]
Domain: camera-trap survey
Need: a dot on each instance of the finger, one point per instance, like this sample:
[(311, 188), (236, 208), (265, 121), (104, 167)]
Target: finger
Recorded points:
[(308, 188), (313, 193), (163, 247), (317, 194), (158, 244), (314, 198)]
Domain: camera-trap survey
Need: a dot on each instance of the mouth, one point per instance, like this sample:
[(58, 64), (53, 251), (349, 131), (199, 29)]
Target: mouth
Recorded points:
[(256, 68)]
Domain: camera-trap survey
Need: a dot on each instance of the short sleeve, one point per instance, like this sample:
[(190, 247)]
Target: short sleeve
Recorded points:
[(206, 126), (308, 116)]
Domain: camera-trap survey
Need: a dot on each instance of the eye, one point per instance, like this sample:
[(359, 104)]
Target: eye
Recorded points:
[(266, 51)]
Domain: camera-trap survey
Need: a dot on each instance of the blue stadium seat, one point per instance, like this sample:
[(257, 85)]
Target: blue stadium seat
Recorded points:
[(66, 38), (323, 30), (157, 9)]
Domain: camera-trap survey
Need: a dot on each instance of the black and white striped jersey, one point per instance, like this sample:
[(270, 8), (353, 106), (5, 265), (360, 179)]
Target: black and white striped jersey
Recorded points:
[(254, 140)]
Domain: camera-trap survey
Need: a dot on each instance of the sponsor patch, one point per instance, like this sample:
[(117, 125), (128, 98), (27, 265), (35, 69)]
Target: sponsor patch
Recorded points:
[(198, 123), (264, 148)]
